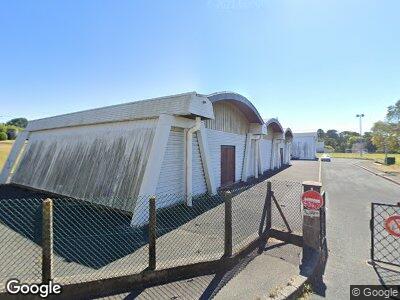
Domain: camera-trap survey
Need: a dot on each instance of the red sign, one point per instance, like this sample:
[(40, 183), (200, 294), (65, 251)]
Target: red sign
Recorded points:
[(392, 225), (312, 200)]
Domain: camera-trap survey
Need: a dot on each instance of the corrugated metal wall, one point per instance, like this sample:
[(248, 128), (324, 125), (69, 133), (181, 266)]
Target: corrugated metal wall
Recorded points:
[(228, 118), (172, 174), (215, 140), (101, 163), (304, 147), (265, 146)]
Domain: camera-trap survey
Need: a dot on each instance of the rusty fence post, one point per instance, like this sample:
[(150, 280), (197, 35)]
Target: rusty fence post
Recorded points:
[(152, 233), (47, 240), (228, 224), (312, 223)]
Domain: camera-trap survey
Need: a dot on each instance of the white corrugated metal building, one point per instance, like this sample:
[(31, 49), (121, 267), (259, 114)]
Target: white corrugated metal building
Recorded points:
[(304, 145), (185, 145)]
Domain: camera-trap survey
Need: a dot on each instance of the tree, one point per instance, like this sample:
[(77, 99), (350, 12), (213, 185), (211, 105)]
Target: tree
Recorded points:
[(331, 143), (385, 136), (369, 146), (393, 114), (19, 122), (3, 136), (332, 134), (320, 134)]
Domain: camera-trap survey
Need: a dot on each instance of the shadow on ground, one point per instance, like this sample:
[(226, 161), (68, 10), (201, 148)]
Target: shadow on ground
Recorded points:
[(95, 235)]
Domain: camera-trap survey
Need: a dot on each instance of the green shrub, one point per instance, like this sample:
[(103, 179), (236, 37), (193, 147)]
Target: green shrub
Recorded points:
[(3, 127), (12, 133), (3, 136)]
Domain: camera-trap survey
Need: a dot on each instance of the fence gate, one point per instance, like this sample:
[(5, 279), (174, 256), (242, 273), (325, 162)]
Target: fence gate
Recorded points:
[(385, 233)]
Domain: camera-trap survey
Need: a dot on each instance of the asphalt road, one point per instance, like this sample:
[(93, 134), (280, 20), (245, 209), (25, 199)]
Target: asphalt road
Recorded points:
[(350, 191)]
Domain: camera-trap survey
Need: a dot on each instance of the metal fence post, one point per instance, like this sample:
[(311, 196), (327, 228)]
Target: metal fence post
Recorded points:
[(47, 240), (152, 233), (228, 224)]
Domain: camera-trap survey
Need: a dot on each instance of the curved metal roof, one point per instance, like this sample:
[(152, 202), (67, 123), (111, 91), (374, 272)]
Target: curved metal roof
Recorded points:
[(242, 103), (276, 126), (288, 131)]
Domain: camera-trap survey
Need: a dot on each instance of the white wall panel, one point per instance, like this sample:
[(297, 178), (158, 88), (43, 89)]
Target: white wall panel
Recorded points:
[(218, 138), (265, 146), (172, 175), (304, 146)]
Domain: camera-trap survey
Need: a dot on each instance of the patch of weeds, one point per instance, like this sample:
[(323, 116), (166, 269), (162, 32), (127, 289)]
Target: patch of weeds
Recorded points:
[(306, 293)]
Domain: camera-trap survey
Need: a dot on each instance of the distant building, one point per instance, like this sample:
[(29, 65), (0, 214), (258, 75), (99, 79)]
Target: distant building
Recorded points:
[(304, 145), (320, 147), (358, 147)]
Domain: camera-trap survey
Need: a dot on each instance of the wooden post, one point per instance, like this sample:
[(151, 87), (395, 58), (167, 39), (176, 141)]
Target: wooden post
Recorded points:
[(312, 223), (152, 233), (268, 201), (228, 224), (47, 240)]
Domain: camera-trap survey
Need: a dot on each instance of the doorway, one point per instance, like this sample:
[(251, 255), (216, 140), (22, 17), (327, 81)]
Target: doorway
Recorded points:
[(227, 165)]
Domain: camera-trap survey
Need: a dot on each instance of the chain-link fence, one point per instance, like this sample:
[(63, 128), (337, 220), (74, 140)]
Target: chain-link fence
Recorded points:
[(96, 242), (385, 233), (287, 212), (93, 241), (249, 207), (190, 234), (20, 239)]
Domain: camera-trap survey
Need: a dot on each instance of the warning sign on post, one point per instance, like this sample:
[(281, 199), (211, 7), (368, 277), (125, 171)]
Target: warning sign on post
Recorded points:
[(312, 200), (392, 225)]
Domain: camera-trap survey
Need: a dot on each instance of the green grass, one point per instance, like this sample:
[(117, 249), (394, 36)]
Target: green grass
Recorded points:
[(5, 147), (370, 156)]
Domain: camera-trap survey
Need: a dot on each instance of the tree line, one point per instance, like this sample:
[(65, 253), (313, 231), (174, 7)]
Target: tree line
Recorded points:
[(10, 129), (383, 137)]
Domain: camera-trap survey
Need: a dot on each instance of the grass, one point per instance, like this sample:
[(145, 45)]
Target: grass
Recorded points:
[(5, 147), (370, 156)]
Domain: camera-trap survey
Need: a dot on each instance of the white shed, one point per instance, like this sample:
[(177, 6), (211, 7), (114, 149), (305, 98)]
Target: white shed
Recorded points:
[(185, 145), (304, 145)]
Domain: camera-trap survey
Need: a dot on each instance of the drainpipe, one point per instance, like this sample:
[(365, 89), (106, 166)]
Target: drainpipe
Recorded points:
[(256, 156), (272, 160), (188, 167)]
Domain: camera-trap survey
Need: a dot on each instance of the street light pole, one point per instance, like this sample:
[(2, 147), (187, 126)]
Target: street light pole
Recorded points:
[(360, 116)]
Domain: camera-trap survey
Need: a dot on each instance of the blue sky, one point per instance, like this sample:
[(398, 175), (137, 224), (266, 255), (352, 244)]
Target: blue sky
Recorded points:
[(312, 64)]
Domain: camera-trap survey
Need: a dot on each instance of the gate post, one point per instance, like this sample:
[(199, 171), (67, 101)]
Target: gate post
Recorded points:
[(47, 240), (313, 223), (371, 228)]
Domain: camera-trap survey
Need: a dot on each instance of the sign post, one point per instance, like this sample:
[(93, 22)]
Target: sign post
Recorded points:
[(312, 203)]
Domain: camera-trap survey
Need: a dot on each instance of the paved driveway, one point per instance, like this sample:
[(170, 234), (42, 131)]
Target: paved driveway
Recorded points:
[(350, 191)]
